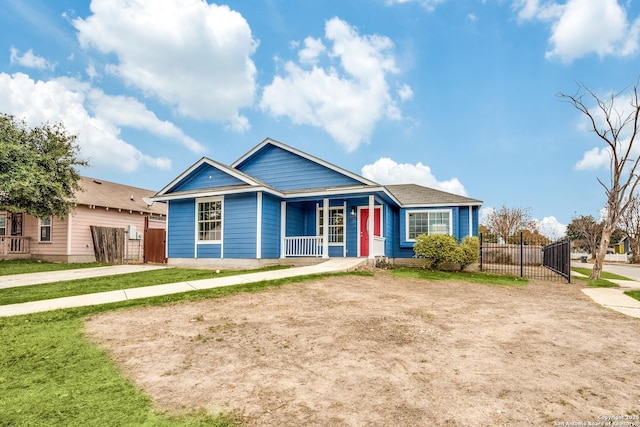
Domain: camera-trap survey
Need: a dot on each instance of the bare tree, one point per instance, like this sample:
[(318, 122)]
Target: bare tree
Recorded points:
[(505, 222), (618, 129), (630, 225), (587, 229)]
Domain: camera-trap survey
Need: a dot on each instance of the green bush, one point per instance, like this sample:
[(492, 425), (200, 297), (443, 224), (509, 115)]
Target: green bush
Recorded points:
[(439, 249), (470, 250)]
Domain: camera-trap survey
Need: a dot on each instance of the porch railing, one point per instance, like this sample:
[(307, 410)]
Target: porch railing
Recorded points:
[(377, 249), (10, 245), (310, 246)]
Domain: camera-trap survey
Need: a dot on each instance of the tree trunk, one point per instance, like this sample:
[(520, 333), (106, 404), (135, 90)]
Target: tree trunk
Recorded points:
[(607, 230)]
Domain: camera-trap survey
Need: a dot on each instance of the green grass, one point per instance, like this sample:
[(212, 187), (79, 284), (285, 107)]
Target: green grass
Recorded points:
[(634, 294), (109, 283), (481, 278), (51, 375), (602, 282), (23, 266)]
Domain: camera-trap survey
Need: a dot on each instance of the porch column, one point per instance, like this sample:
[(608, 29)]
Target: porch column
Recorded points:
[(370, 225), (325, 228), (283, 229), (470, 221), (259, 226)]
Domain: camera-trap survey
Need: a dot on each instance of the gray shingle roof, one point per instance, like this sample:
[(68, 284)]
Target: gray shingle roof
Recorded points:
[(98, 192), (413, 194)]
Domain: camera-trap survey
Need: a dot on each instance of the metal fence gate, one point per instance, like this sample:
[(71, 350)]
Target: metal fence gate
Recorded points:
[(530, 256)]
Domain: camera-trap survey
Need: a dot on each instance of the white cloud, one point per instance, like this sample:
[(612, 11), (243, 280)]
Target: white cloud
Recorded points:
[(347, 97), (96, 118), (191, 55), (29, 60), (551, 228), (595, 158), (387, 171), (583, 27)]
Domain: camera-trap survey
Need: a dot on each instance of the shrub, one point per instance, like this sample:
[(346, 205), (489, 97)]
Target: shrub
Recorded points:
[(439, 249), (470, 249)]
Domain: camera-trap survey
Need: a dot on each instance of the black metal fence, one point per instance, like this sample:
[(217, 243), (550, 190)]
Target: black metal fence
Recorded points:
[(530, 256)]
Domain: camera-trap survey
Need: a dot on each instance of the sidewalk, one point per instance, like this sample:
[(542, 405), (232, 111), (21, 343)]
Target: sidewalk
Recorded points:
[(615, 298), (332, 266)]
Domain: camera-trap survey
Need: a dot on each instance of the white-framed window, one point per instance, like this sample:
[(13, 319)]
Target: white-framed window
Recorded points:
[(209, 219), (45, 229), (3, 224), (336, 224), (428, 222)]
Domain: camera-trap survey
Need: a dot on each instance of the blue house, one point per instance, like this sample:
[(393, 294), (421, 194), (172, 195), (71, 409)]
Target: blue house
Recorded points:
[(277, 203)]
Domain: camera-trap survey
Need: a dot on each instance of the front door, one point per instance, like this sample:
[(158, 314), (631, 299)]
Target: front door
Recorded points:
[(364, 228)]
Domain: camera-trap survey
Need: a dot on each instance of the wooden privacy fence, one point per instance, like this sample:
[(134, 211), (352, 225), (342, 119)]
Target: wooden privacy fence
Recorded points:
[(108, 244)]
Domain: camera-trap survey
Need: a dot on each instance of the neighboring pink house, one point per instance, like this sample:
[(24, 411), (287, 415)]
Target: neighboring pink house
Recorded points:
[(102, 203)]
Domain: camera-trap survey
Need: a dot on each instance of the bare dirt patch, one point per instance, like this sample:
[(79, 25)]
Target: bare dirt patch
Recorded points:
[(373, 351)]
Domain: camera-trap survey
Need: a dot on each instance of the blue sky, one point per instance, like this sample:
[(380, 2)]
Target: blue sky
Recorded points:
[(455, 95)]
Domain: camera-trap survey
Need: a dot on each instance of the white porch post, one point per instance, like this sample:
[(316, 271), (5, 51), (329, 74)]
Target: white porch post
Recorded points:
[(325, 228), (470, 221), (259, 226), (370, 225), (283, 229)]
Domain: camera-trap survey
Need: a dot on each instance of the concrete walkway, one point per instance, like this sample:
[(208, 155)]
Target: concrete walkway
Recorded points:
[(615, 298), (331, 266)]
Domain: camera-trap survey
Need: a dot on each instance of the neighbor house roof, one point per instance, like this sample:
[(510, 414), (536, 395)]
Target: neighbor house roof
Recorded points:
[(416, 195), (105, 194)]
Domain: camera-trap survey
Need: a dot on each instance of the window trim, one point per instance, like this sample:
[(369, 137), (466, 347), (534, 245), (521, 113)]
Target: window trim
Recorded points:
[(344, 223), (4, 215), (427, 211), (197, 222), (41, 226)]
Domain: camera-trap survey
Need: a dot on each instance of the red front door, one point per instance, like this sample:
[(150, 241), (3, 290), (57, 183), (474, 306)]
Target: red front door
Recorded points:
[(364, 229)]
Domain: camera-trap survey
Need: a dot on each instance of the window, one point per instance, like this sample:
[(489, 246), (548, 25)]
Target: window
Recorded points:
[(336, 224), (428, 222), (210, 220), (3, 225), (45, 230)]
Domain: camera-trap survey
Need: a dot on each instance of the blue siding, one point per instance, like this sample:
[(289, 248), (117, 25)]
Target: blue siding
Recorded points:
[(285, 170), (240, 225), (206, 176), (209, 251), (270, 227), (181, 228), (295, 220)]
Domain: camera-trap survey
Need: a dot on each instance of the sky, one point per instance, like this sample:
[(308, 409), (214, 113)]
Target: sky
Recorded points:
[(461, 96)]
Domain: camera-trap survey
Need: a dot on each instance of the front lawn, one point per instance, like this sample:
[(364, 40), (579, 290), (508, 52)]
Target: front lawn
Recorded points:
[(110, 283), (634, 294), (23, 266), (602, 282), (461, 276)]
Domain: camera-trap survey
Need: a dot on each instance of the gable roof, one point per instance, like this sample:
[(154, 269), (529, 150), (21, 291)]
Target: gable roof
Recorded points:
[(416, 195), (268, 141), (97, 192)]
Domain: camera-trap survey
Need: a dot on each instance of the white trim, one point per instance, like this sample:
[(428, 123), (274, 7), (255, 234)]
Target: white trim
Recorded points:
[(69, 228), (269, 141), (428, 211), (470, 221), (259, 226), (221, 167), (197, 231), (166, 236), (325, 229), (345, 216), (283, 228), (40, 230), (371, 224)]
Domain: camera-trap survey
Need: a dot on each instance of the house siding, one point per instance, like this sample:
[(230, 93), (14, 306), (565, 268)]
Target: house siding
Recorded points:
[(288, 171), (240, 222), (206, 176), (270, 227), (181, 228)]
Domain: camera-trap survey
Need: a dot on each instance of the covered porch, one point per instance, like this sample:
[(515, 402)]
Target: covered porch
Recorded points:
[(14, 247), (353, 227)]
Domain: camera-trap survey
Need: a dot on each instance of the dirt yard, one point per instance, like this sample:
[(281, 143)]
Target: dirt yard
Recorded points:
[(379, 351)]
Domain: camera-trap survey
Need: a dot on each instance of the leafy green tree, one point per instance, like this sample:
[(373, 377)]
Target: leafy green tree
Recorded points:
[(38, 168)]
